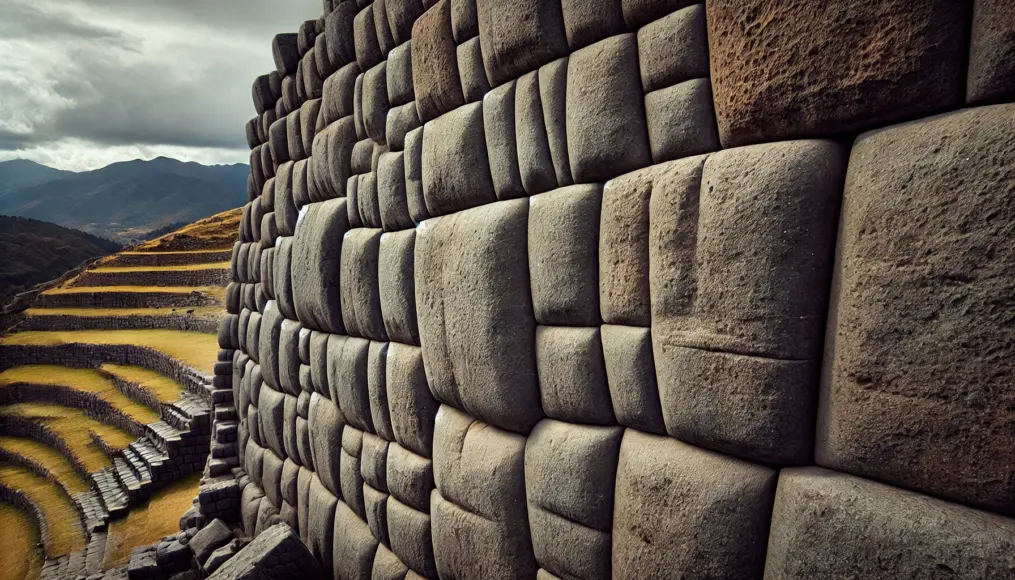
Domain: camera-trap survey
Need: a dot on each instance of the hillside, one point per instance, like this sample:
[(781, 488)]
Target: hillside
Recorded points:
[(126, 200), (33, 251), (24, 173)]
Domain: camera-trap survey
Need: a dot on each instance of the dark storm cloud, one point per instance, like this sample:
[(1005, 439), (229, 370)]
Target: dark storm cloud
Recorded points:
[(135, 72)]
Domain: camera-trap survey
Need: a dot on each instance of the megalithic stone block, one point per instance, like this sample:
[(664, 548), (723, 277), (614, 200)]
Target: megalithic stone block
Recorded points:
[(673, 49), (396, 285), (919, 352), (402, 14), (589, 21), (456, 172), (992, 52), (338, 29), (400, 87), (435, 77), (316, 267), (286, 53), (518, 37), (338, 93)]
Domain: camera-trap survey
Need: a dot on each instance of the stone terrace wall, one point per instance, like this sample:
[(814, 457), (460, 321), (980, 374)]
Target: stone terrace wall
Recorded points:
[(649, 289)]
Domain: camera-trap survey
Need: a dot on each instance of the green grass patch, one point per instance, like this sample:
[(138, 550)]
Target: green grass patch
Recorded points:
[(73, 425), (166, 389), (85, 380), (184, 267), (65, 533), (22, 561), (196, 349), (48, 457), (149, 522)]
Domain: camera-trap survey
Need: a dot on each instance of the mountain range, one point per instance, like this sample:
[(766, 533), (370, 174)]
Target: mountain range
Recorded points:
[(123, 201)]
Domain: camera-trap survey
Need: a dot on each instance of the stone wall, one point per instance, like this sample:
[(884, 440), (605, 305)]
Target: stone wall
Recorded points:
[(632, 288)]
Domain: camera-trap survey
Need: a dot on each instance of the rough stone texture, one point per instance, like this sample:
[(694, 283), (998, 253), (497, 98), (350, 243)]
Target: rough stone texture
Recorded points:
[(325, 423), (412, 406), (210, 538), (471, 72), (361, 302), (321, 523), (673, 49), (480, 526), (518, 37), (886, 61), (886, 532), (630, 373), (409, 477), (501, 143), (275, 554), (681, 122), (918, 353), (339, 89), (684, 511), (435, 63), (553, 96), (534, 161), (992, 52), (606, 134), (368, 50), (316, 265), (354, 545), (563, 245), (475, 313), (347, 375), (396, 285), (375, 102), (455, 170), (569, 483), (391, 192), (400, 88), (572, 375)]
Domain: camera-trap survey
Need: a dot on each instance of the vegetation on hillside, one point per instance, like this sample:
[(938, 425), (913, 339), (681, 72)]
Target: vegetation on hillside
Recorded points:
[(212, 233)]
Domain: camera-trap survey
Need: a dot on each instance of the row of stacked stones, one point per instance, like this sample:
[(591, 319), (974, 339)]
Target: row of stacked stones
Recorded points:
[(641, 288)]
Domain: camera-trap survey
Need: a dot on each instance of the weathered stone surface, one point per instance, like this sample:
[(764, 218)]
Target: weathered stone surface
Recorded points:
[(289, 357), (464, 23), (412, 406), (321, 525), (534, 161), (992, 52), (471, 71), (354, 545), (564, 255), (738, 369), (455, 170), (375, 102), (569, 483), (475, 313), (553, 95), (572, 375), (316, 265), (589, 21), (347, 376), (606, 134), (684, 511), (271, 477), (271, 410), (210, 538), (396, 285), (391, 193), (919, 350), (352, 477), (480, 526), (812, 536), (518, 37), (401, 120), (387, 566), (326, 423), (630, 373), (402, 14), (681, 121), (285, 52), (339, 89), (369, 204), (275, 554), (376, 504), (384, 40), (411, 539), (435, 63), (304, 479), (322, 58), (250, 498), (414, 175), (377, 362), (319, 362), (368, 50), (361, 302), (501, 144), (673, 49), (623, 249), (853, 82), (311, 78), (409, 477), (400, 87), (373, 462)]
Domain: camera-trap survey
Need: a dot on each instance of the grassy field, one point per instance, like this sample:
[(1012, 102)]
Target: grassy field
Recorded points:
[(184, 267), (65, 533), (217, 232), (22, 561), (100, 312), (172, 253), (85, 380), (148, 522), (196, 349), (214, 290), (166, 389), (48, 457), (73, 426)]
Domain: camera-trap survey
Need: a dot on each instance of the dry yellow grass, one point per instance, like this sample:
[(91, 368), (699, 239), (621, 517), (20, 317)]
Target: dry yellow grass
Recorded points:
[(196, 349), (48, 457), (173, 289), (100, 312), (21, 559), (216, 232), (173, 253), (184, 267), (149, 522), (166, 389), (65, 533), (85, 380), (73, 425)]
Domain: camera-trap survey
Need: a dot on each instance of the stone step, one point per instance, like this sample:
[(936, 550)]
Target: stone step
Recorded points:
[(95, 552), (100, 298), (93, 512), (225, 413), (169, 258), (114, 496), (152, 456), (127, 478), (137, 464), (163, 435)]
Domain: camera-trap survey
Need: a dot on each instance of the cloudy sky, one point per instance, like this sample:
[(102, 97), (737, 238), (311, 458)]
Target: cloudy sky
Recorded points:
[(84, 83)]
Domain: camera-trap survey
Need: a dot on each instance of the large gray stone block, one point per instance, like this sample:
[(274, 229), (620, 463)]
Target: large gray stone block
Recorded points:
[(553, 95), (572, 375), (402, 14), (518, 37), (375, 102), (606, 130), (480, 526), (435, 63), (991, 52), (271, 410), (501, 143), (396, 285), (338, 29), (475, 313), (918, 360), (283, 290), (321, 524), (737, 362), (391, 193), (569, 485), (271, 477), (368, 49), (289, 357), (631, 375), (387, 566), (471, 71), (354, 545), (623, 249), (412, 405), (564, 255), (534, 161), (411, 538), (361, 302), (673, 49), (339, 88), (455, 170), (409, 477), (400, 87), (401, 120), (376, 504), (681, 121), (319, 362), (352, 477), (589, 21), (348, 359), (317, 250), (413, 159), (377, 363), (881, 533), (681, 511), (326, 423)]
